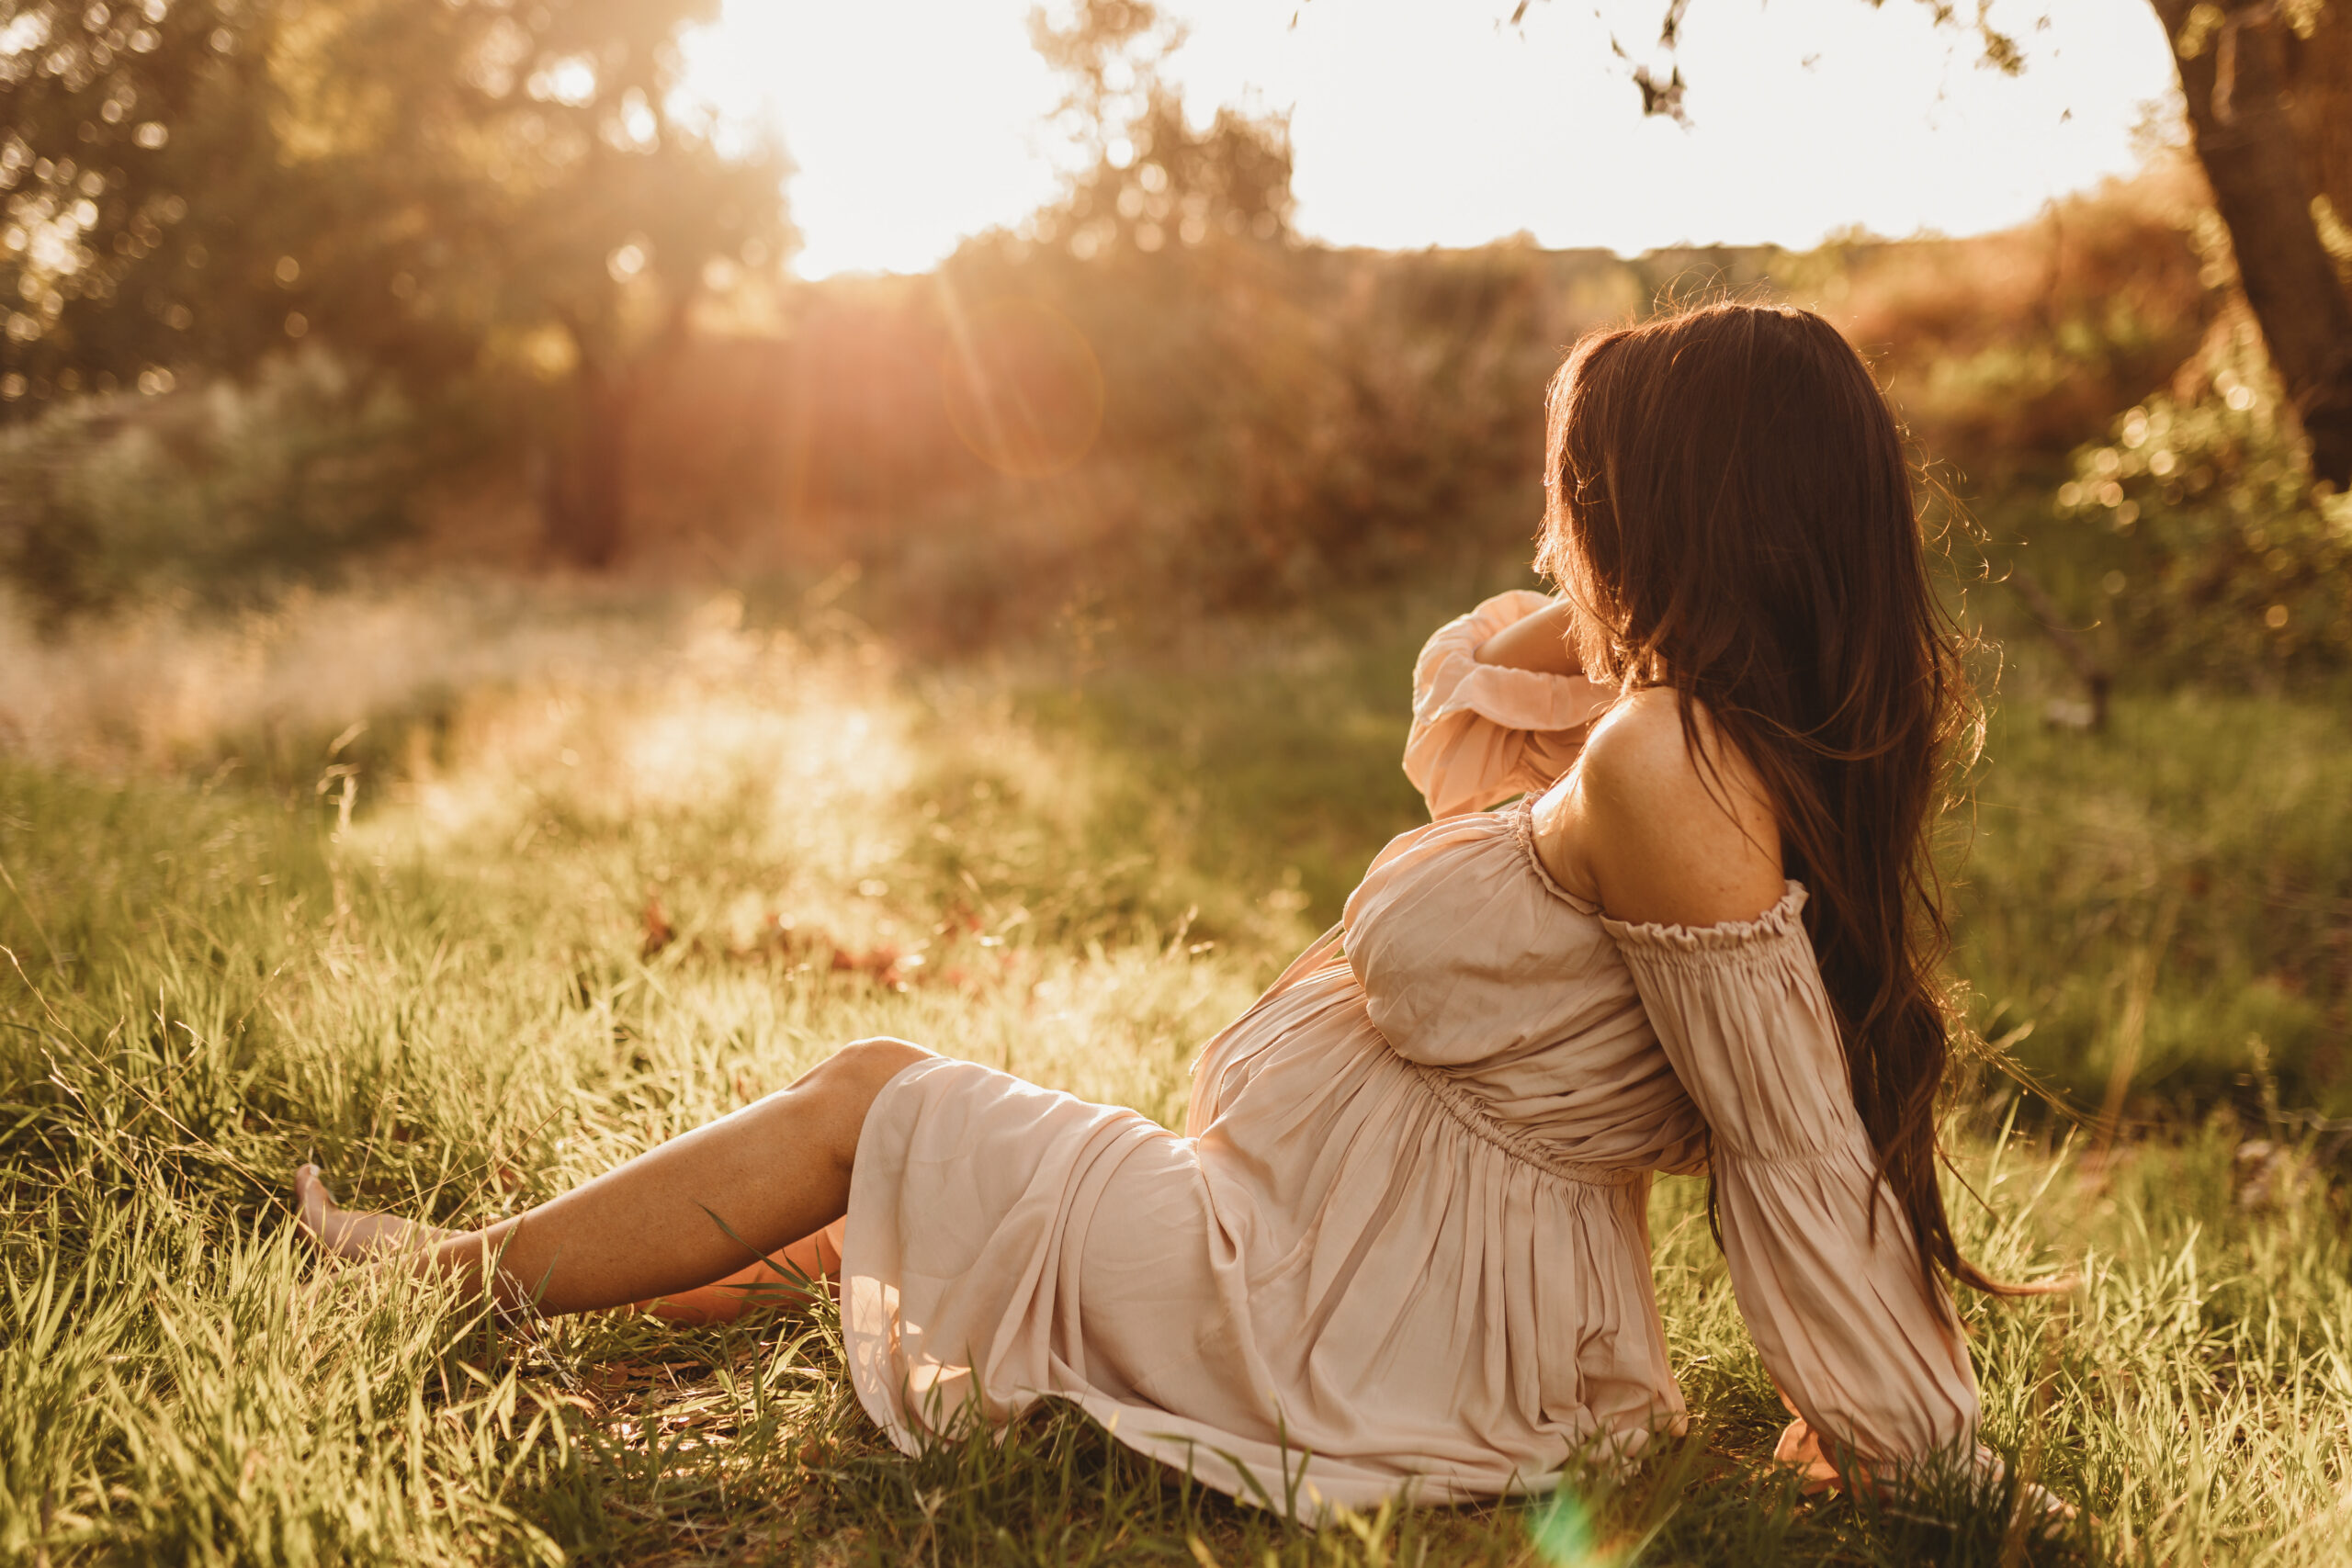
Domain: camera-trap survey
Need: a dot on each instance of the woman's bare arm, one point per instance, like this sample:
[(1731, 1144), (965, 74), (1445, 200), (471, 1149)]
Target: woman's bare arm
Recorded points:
[(1538, 642)]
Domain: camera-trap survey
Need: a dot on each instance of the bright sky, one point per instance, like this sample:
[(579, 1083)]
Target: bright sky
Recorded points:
[(1421, 122)]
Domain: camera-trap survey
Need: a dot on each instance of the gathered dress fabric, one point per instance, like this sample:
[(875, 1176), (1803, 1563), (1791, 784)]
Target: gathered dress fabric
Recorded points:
[(1401, 1245)]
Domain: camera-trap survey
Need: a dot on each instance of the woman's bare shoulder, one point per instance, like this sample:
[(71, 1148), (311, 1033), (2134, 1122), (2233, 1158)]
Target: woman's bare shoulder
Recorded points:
[(1654, 832)]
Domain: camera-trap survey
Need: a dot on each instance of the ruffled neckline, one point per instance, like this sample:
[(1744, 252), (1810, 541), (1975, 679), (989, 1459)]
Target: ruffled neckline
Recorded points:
[(1520, 817), (1781, 922)]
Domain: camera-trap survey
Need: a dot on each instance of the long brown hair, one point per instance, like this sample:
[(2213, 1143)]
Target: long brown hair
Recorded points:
[(1730, 510)]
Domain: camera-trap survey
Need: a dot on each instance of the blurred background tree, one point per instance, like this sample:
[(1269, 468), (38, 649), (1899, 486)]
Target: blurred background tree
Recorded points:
[(2267, 86), (2268, 89), (2213, 525), (2220, 505), (1147, 177), (388, 235), (447, 196)]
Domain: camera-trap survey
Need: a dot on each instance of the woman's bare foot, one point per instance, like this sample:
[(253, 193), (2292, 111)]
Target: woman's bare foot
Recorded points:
[(1801, 1449), (347, 1232)]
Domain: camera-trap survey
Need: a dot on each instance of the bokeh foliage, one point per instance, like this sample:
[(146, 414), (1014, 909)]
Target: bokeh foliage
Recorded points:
[(433, 192), (1278, 419), (195, 184), (227, 498), (2219, 557)]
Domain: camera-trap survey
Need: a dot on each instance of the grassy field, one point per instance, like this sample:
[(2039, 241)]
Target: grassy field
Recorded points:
[(594, 872)]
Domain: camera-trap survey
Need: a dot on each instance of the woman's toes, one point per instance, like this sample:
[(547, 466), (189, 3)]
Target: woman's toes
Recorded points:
[(313, 1201)]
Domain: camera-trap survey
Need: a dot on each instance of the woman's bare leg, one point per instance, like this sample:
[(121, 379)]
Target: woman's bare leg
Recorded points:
[(789, 1278), (782, 1278), (674, 1219)]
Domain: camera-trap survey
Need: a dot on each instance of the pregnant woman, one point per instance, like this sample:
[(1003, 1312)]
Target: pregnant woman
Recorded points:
[(1401, 1245)]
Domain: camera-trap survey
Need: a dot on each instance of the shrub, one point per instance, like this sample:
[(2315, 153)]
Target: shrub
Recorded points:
[(2006, 351), (2226, 560), (223, 494)]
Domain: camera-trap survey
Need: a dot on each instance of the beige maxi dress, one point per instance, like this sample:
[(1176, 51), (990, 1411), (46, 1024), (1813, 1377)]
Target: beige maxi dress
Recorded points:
[(1401, 1245)]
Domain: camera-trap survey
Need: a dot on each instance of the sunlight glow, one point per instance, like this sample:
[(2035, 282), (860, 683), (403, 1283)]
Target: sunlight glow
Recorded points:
[(1419, 123)]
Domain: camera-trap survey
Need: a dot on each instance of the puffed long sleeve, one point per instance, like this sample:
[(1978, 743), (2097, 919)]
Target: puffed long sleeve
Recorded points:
[(1837, 1305), (1484, 732)]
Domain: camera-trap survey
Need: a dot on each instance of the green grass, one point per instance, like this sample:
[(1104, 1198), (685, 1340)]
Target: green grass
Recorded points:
[(2169, 904), (591, 903)]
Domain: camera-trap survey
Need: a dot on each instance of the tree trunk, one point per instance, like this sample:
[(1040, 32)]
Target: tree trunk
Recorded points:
[(582, 503), (2244, 134), (2319, 88)]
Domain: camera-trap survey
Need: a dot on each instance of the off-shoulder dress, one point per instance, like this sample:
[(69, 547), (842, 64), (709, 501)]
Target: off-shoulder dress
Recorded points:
[(1401, 1245)]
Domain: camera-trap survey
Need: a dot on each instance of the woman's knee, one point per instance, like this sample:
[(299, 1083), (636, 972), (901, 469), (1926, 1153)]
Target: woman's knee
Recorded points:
[(831, 1100), (850, 1078)]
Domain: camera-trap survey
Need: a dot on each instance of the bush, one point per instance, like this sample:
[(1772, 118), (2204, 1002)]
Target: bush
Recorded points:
[(1231, 422), (2004, 352), (224, 494), (2225, 559)]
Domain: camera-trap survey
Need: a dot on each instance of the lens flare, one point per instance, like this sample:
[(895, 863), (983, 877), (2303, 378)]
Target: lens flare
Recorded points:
[(1561, 1531), (1023, 389)]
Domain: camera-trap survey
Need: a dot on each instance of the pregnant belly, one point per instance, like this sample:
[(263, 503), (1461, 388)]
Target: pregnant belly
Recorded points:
[(1319, 1015)]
